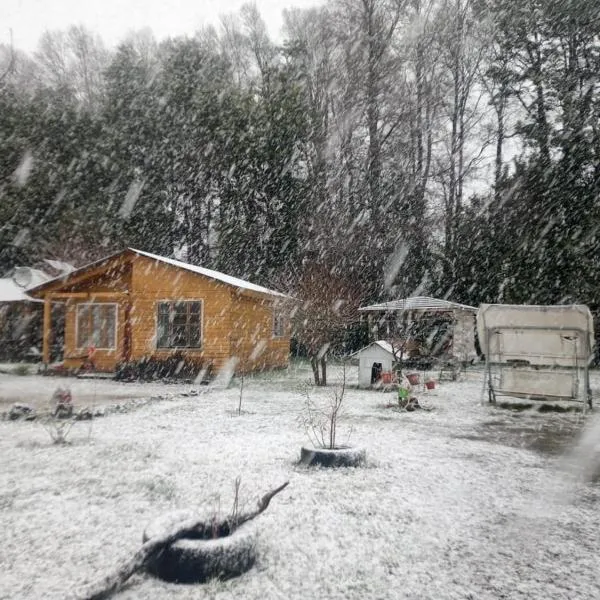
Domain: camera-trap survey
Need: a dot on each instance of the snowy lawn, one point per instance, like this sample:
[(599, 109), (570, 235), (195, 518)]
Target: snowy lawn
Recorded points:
[(36, 391), (463, 501)]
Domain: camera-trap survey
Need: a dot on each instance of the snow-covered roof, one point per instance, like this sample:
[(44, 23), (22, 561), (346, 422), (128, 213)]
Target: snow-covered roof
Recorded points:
[(28, 277), (11, 292), (418, 303), (14, 288), (381, 343), (228, 279), (216, 275)]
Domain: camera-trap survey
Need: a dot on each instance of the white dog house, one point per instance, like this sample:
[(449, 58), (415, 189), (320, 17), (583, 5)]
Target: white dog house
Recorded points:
[(374, 359), (537, 352)]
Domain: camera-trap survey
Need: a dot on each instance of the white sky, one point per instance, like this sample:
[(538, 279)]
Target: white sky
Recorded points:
[(113, 19)]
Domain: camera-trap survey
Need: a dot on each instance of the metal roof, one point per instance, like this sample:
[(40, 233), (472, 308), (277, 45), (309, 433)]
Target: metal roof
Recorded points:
[(13, 288), (418, 303), (10, 291), (228, 279), (216, 275)]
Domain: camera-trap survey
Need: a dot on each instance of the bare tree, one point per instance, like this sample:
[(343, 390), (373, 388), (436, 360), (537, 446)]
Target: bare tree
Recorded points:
[(330, 303), (7, 59), (73, 61), (321, 422)]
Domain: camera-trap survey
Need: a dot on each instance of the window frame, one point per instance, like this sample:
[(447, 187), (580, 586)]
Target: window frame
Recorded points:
[(171, 303), (279, 321), (115, 307)]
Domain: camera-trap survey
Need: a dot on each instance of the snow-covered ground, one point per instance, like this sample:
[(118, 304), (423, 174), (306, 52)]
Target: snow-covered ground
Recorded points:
[(462, 501), (37, 391)]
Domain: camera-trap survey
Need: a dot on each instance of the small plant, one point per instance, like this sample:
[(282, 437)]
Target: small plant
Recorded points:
[(58, 428), (59, 422), (321, 423), (21, 370), (176, 367)]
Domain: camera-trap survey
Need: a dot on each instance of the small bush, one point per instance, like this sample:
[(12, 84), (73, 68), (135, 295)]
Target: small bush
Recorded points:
[(175, 367), (21, 370)]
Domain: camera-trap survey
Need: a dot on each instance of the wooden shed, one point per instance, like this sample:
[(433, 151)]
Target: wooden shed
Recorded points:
[(134, 305)]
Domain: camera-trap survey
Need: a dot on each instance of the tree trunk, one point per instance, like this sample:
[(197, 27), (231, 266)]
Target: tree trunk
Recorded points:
[(314, 363), (500, 106), (324, 371)]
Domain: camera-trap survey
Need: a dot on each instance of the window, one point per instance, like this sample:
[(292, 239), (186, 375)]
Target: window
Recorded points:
[(278, 325), (179, 325), (97, 326)]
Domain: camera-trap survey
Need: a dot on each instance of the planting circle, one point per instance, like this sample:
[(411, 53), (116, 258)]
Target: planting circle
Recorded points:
[(342, 456), (197, 560)]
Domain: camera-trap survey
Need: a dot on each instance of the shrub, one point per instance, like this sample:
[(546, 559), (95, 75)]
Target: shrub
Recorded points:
[(177, 366)]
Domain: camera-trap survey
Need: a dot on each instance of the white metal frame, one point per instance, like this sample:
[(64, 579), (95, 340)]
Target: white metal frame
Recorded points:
[(526, 360)]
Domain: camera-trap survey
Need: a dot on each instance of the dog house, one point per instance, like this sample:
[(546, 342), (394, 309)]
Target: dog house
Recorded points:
[(373, 361), (537, 352)]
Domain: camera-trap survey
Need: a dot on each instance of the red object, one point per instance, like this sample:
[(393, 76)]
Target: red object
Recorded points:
[(413, 378), (430, 385), (386, 377)]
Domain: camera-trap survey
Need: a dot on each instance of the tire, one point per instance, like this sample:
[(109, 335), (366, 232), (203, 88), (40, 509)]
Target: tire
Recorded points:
[(198, 560), (333, 457)]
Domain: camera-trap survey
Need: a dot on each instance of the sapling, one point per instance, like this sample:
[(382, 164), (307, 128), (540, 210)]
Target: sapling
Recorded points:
[(321, 423), (59, 422)]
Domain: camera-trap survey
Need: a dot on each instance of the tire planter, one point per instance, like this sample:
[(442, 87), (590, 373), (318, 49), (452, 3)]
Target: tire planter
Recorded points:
[(342, 456), (197, 560)]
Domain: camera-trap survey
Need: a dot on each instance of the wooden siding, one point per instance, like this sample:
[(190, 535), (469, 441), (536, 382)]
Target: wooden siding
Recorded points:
[(113, 276), (154, 282), (233, 323), (252, 341), (104, 360)]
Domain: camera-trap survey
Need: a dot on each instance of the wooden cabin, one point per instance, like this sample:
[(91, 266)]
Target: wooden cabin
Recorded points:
[(135, 305)]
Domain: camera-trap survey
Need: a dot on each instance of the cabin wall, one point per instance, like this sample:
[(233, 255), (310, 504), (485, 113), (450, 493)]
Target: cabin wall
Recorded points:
[(115, 277), (154, 282), (104, 360), (252, 341), (234, 324)]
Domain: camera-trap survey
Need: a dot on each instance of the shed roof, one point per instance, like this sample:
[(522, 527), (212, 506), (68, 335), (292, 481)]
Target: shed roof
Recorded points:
[(216, 275), (418, 304), (14, 288), (10, 291)]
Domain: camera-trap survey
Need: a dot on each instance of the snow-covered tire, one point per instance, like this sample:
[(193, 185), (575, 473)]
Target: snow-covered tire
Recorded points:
[(333, 457), (198, 560)]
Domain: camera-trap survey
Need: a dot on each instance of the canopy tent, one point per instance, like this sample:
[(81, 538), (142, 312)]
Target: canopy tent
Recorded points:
[(539, 352), (446, 328)]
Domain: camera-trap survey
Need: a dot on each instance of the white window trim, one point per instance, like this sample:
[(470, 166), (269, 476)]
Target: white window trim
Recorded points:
[(171, 301), (274, 334), (116, 307)]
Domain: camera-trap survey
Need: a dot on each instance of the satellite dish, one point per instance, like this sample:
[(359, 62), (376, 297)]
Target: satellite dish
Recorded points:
[(22, 276)]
